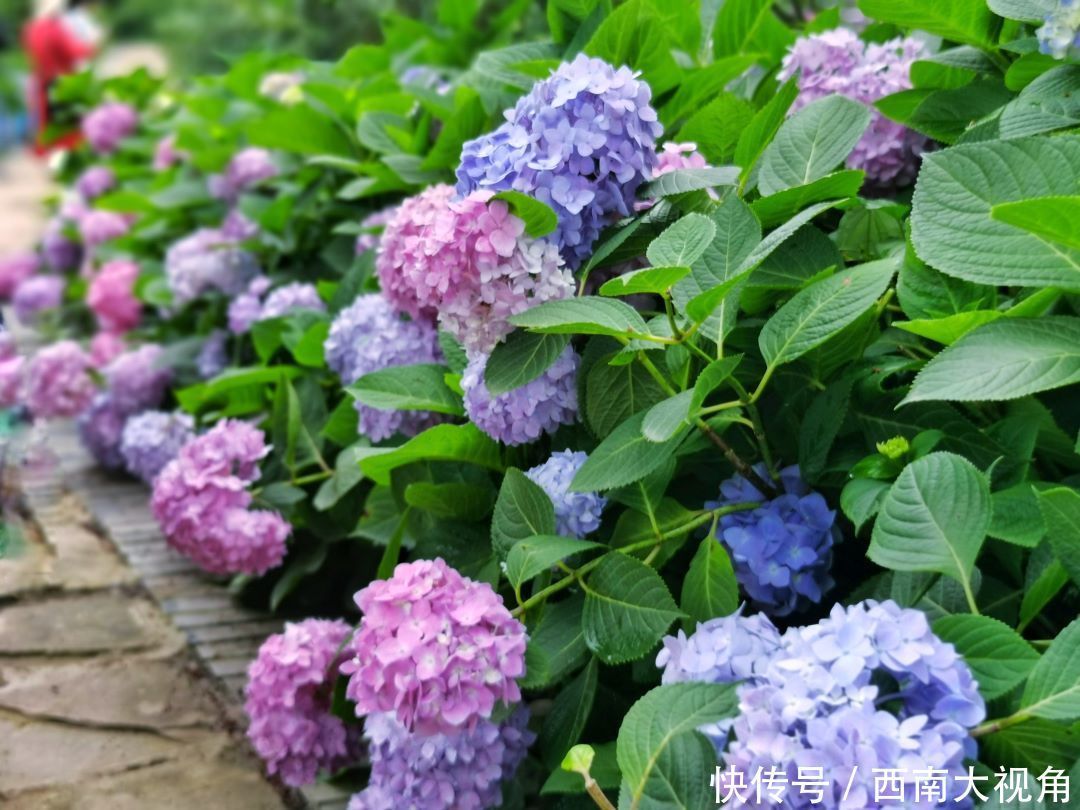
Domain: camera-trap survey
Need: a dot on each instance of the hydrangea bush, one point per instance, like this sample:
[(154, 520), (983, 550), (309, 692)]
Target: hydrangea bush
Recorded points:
[(656, 402)]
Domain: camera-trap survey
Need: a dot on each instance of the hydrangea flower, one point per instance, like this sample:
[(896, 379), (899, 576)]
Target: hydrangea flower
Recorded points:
[(1059, 36), (98, 227), (107, 125), (436, 649), (111, 296), (165, 153), (95, 181), (582, 141), (201, 502), (100, 428), (137, 379), (678, 156), (244, 310), (368, 336), (291, 298), (288, 696), (246, 169), (782, 550), (58, 382), (207, 260), (838, 61), (463, 770), (59, 251), (35, 295), (576, 513), (14, 270), (12, 375), (522, 415), (237, 227), (152, 439), (105, 347), (212, 358)]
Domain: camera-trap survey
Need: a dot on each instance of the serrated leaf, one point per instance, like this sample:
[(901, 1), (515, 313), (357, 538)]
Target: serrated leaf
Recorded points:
[(711, 377), (1005, 359), (682, 181), (520, 359), (615, 393), (1053, 687), (627, 609), (624, 457), (453, 499), (664, 419), (1061, 510), (967, 21), (536, 554), (1022, 10), (465, 443), (539, 218), (522, 510), (861, 499), (1050, 218), (556, 645), (569, 712), (1017, 518), (682, 242), (1035, 746), (934, 518), (709, 588), (407, 388), (763, 126), (951, 328), (998, 656), (1050, 102), (820, 426), (646, 280), (346, 475), (589, 315), (782, 205)]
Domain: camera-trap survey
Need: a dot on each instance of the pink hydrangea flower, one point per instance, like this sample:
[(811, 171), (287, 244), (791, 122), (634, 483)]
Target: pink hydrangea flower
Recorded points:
[(111, 296), (12, 368), (98, 227), (138, 379), (57, 381), (678, 156), (105, 347), (108, 124), (289, 692), (36, 295), (166, 154), (14, 270), (436, 649)]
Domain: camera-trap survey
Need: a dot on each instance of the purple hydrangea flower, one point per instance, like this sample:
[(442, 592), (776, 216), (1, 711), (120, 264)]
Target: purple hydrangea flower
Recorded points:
[(213, 358), (14, 270), (1059, 36), (435, 648), (464, 770), (522, 415), (95, 181), (138, 379), (244, 310), (59, 251), (288, 696), (98, 227), (582, 141), (152, 439), (369, 336), (207, 260), (291, 298), (35, 295), (237, 227), (107, 125), (58, 382), (245, 171), (576, 513), (782, 550), (838, 61), (100, 428)]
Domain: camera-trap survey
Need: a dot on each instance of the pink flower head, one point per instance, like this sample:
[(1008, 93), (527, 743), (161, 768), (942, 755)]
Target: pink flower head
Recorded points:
[(95, 181), (14, 270), (108, 124), (12, 373), (289, 692), (246, 169), (678, 156), (435, 648), (57, 381), (111, 296), (106, 347), (166, 154), (99, 227)]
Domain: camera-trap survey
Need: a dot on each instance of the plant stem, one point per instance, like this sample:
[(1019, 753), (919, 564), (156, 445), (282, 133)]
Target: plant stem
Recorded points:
[(670, 310), (758, 425), (990, 726), (744, 469), (596, 793), (322, 475)]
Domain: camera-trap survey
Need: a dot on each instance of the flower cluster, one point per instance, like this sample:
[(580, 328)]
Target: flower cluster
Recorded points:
[(12, 367), (206, 260), (107, 125), (14, 270), (245, 171), (201, 501), (95, 181), (1059, 36), (98, 227), (582, 141), (111, 296), (59, 251), (522, 415), (576, 513), (838, 61), (288, 695), (434, 648), (468, 262), (249, 307), (212, 358), (101, 427), (58, 382), (463, 770), (166, 154), (152, 439), (106, 347), (675, 156), (137, 380), (782, 550), (35, 295), (369, 336)]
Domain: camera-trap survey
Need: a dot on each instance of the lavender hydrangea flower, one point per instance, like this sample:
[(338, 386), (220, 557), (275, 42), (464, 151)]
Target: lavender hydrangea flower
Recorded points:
[(36, 295), (59, 251), (207, 260), (212, 358), (245, 171), (368, 239), (166, 154), (435, 648), (107, 125), (522, 415), (137, 379), (576, 513), (369, 336), (244, 310), (782, 550), (98, 227), (288, 697), (1059, 36), (14, 270), (582, 141), (291, 298), (152, 439), (838, 61), (459, 771), (58, 382), (100, 428), (95, 181)]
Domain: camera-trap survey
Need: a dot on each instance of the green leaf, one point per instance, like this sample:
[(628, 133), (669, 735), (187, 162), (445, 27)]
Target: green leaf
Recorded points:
[(627, 609), (711, 377), (647, 280), (951, 328), (664, 419), (1041, 591), (1050, 102), (453, 500), (1023, 10), (520, 359), (634, 34), (778, 207), (682, 181), (715, 128), (1061, 510), (812, 143), (539, 218), (683, 242), (346, 475), (624, 457), (661, 716), (467, 122), (299, 129), (763, 126), (465, 443), (934, 518), (589, 315), (967, 21), (301, 564), (1017, 518), (861, 499), (1053, 687), (407, 388), (615, 393), (820, 426), (709, 588), (1005, 359), (1052, 219), (556, 645), (675, 780), (537, 554), (998, 656), (951, 224), (748, 26), (821, 310), (522, 510), (569, 712), (926, 294)]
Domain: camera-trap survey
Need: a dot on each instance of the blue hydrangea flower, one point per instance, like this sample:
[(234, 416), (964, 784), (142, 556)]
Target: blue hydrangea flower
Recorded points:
[(1060, 33), (151, 439), (582, 141), (576, 513), (206, 260), (463, 771), (782, 550), (212, 358), (369, 335), (524, 414)]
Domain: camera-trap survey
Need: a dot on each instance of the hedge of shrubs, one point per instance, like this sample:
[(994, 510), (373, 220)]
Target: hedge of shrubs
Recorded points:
[(678, 408)]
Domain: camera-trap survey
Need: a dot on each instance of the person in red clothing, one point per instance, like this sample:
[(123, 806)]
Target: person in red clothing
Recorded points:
[(54, 51)]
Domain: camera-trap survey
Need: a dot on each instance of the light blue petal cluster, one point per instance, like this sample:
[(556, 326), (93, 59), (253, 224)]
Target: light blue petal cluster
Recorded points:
[(151, 439), (576, 513)]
